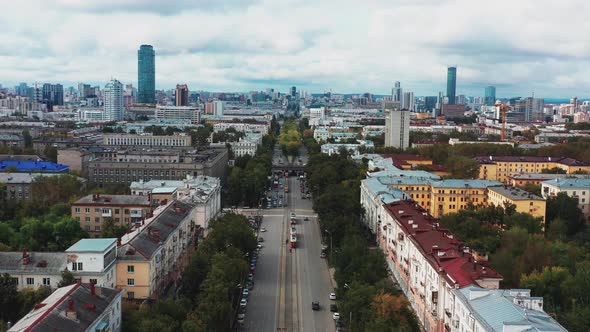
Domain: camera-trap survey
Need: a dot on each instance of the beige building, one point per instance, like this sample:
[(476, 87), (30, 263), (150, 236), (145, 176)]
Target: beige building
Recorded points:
[(178, 140), (92, 211), (524, 201)]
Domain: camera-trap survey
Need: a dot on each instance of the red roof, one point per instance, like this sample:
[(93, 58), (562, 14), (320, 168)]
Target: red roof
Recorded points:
[(439, 246)]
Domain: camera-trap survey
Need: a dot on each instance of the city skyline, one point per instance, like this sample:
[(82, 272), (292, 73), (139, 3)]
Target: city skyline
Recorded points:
[(230, 50)]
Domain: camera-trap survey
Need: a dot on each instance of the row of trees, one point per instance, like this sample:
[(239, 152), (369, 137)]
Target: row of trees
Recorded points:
[(248, 178), (554, 263), (210, 286), (290, 138), (365, 292)]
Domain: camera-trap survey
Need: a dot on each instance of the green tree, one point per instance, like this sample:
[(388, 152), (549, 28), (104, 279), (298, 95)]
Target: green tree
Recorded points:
[(548, 283), (110, 230), (27, 138), (50, 153), (462, 167), (566, 208), (9, 306), (67, 278)]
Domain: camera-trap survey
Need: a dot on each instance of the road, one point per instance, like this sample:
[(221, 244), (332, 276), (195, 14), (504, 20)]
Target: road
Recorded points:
[(286, 282)]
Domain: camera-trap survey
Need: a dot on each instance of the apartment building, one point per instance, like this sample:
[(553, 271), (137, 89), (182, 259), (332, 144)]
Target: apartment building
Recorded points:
[(502, 167), (520, 180), (578, 188), (429, 262), (524, 201), (178, 140), (155, 253), (77, 307), (375, 193), (254, 127), (93, 261), (184, 113), (17, 186), (92, 211), (127, 165), (454, 195), (33, 269)]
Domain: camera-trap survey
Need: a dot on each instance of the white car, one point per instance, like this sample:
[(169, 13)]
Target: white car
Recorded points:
[(333, 296), (259, 246), (243, 303), (263, 229), (245, 292), (336, 316)]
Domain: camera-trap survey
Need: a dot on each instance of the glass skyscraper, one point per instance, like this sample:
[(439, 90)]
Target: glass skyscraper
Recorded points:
[(146, 75), (452, 84), (490, 95)]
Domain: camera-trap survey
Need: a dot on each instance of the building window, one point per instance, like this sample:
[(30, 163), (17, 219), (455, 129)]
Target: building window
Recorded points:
[(46, 281), (77, 210), (130, 295), (30, 281), (87, 219), (130, 268), (97, 219), (80, 267), (97, 210), (93, 281), (130, 282), (116, 211)]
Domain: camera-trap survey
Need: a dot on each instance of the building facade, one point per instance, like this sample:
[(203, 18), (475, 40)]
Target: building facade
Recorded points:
[(185, 113), (181, 95), (114, 106), (523, 201), (93, 210), (452, 84), (501, 168), (146, 75), (178, 140), (397, 126), (577, 188)]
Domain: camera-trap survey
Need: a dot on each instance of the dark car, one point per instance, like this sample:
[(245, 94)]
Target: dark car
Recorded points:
[(333, 308), (315, 306)]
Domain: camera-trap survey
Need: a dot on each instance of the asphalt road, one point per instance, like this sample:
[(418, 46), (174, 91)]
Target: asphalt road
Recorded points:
[(286, 282)]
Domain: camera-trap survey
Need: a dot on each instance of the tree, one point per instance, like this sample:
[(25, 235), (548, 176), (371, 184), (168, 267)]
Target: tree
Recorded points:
[(67, 278), (462, 167), (9, 308), (110, 230), (566, 208), (51, 153), (554, 170), (27, 138), (548, 283)]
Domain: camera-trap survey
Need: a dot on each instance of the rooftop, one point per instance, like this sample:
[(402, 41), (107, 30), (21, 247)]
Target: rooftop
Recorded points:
[(92, 245), (50, 313), (515, 193), (24, 178), (15, 262), (568, 183), (30, 166), (110, 200), (163, 190), (384, 192), (497, 310), (530, 159), (465, 183), (545, 177), (439, 246)]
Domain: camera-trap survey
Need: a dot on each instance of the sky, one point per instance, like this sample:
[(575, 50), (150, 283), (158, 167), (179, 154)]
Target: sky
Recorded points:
[(519, 46)]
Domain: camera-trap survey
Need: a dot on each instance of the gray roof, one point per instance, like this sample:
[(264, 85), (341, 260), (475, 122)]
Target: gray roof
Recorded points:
[(109, 200), (515, 193), (146, 243), (57, 303), (12, 262), (27, 178)]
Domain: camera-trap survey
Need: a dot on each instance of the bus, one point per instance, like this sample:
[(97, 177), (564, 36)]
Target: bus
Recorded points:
[(286, 189), (293, 241)]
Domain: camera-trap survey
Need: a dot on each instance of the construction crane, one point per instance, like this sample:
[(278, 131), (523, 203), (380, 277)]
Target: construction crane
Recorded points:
[(503, 111)]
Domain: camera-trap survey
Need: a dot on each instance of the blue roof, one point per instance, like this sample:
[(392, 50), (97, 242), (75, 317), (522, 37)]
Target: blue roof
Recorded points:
[(92, 245), (570, 183), (462, 183), (386, 193), (32, 166)]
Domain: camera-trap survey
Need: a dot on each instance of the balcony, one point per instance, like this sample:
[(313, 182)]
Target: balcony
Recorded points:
[(107, 213)]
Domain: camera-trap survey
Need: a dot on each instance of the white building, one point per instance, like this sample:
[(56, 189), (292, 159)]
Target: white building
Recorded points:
[(77, 307), (185, 113), (114, 104), (92, 115), (353, 149), (397, 126), (33, 269), (573, 187), (316, 116), (218, 107), (178, 140), (244, 127), (93, 261), (408, 101)]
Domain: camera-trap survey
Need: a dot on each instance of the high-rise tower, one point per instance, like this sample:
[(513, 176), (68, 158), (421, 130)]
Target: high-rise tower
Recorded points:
[(181, 95), (451, 84), (114, 108), (490, 95), (146, 75), (397, 92)]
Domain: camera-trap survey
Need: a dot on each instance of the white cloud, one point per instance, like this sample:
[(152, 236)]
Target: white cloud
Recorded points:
[(345, 46)]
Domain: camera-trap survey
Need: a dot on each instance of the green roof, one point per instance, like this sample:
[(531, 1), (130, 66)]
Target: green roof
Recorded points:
[(92, 245)]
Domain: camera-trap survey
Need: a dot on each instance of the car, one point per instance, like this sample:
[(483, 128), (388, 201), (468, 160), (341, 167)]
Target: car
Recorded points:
[(245, 293), (250, 285), (280, 195), (252, 267), (241, 316), (333, 308), (322, 255), (243, 302), (261, 239), (339, 325), (315, 305), (250, 277), (262, 229), (335, 316), (306, 219), (333, 296), (259, 246)]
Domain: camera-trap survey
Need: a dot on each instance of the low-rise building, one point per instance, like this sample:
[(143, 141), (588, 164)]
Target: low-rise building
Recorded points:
[(77, 307), (33, 269), (499, 310), (11, 140), (245, 127), (578, 188), (32, 166), (521, 180), (500, 168), (524, 201), (184, 113), (17, 186), (93, 261), (454, 195), (92, 211), (178, 140), (330, 149)]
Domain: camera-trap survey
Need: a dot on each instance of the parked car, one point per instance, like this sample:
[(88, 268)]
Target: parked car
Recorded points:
[(333, 308), (335, 315), (261, 239), (245, 293), (306, 219), (244, 302), (333, 296), (262, 229), (315, 306), (322, 255)]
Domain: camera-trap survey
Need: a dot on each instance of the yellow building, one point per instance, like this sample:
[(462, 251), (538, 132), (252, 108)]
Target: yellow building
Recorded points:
[(503, 167), (524, 201), (453, 195)]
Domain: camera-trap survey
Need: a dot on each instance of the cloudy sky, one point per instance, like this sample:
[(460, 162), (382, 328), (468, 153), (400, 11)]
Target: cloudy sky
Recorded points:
[(344, 46)]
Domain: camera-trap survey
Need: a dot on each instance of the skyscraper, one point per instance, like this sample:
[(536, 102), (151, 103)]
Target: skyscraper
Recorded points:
[(397, 92), (397, 126), (451, 84), (146, 75), (490, 95), (53, 94), (113, 101), (293, 91), (181, 95), (408, 101)]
